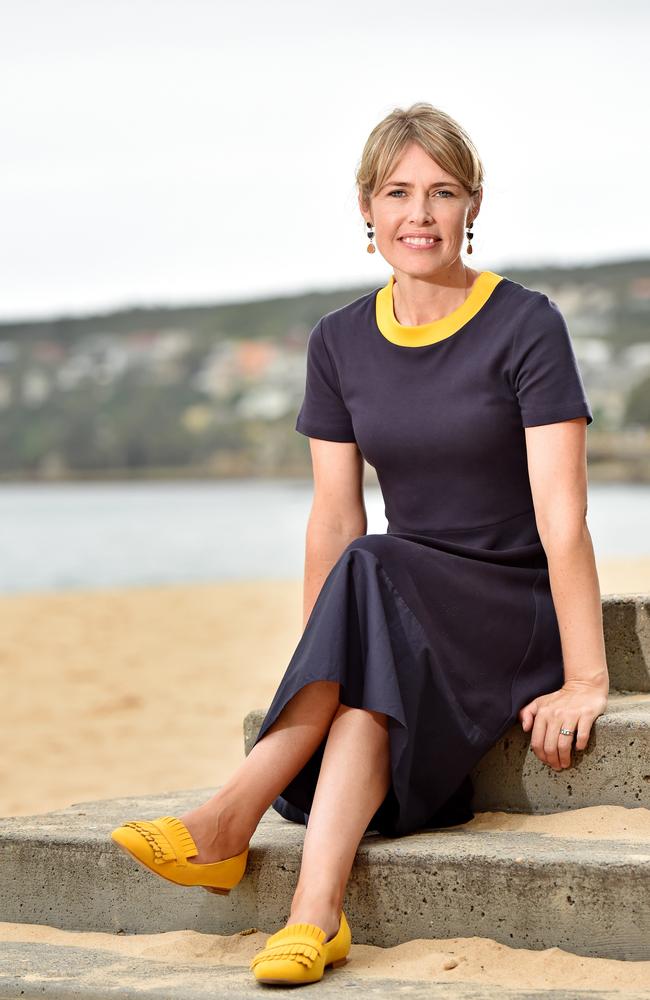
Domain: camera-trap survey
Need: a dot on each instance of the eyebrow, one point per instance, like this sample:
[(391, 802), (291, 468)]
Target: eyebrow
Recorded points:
[(408, 184)]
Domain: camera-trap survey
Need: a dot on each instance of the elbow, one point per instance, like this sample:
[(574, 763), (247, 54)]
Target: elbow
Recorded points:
[(349, 523), (563, 533)]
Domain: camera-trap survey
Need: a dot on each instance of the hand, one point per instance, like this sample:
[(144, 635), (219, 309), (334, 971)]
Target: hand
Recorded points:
[(575, 706)]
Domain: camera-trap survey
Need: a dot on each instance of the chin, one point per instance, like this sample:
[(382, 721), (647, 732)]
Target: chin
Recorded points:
[(421, 267)]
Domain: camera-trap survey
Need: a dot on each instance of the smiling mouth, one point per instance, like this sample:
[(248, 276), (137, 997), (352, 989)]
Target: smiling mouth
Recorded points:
[(420, 243)]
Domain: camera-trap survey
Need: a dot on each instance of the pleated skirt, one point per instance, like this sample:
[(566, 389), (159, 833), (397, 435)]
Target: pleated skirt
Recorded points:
[(448, 637)]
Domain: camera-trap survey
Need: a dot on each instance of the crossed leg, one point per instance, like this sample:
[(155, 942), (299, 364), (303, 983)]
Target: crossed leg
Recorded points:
[(353, 780)]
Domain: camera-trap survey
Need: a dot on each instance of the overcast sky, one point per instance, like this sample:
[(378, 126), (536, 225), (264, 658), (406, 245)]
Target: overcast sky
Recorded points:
[(186, 151)]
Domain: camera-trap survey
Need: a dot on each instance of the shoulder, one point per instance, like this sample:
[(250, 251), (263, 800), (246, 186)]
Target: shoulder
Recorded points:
[(356, 315), (541, 344), (531, 308), (330, 342)]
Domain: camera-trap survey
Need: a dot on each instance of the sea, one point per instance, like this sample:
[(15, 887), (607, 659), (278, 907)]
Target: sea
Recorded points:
[(80, 536)]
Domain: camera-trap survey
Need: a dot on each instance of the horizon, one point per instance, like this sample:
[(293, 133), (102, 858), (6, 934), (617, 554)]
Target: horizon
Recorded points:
[(188, 305)]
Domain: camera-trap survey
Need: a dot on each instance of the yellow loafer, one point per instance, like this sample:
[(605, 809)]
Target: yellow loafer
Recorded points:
[(163, 845), (299, 953)]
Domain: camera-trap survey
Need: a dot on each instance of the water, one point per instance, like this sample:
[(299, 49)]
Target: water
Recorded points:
[(91, 535)]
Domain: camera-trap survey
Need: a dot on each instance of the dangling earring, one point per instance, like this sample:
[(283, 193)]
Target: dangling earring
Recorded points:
[(370, 248), (470, 236)]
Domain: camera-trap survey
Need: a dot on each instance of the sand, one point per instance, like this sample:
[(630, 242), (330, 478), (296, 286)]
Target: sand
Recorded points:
[(471, 959), (88, 675)]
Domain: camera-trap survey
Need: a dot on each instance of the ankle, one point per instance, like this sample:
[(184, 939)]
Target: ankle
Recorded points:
[(218, 828), (324, 898), (323, 914), (228, 808)]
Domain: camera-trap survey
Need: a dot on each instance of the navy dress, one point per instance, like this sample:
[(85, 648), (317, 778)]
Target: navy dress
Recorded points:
[(446, 622)]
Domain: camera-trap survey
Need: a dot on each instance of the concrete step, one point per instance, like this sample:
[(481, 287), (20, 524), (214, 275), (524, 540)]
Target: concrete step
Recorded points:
[(527, 890), (613, 769), (40, 971), (64, 973), (626, 627)]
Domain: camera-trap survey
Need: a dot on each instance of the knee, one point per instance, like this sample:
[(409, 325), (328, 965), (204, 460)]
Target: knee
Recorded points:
[(380, 718), (373, 543)]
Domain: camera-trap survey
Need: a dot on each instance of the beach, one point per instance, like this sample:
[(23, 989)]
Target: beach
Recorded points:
[(91, 677)]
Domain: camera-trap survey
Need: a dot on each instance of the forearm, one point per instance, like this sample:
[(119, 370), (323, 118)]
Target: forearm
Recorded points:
[(576, 596), (324, 544)]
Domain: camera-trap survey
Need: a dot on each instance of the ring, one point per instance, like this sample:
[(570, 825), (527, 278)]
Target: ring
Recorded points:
[(567, 732)]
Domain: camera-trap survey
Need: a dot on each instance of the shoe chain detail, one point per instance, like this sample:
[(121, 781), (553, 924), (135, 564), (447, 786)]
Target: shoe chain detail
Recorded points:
[(162, 847)]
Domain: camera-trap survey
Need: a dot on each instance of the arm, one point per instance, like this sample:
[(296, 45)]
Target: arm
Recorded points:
[(337, 515), (557, 468)]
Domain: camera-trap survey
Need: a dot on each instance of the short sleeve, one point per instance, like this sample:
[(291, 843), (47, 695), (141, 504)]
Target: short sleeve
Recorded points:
[(544, 369), (323, 413)]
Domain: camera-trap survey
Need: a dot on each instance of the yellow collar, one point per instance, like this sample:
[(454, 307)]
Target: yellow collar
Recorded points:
[(438, 329)]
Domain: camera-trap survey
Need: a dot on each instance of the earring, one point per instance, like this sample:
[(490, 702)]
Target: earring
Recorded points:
[(370, 248), (470, 236)]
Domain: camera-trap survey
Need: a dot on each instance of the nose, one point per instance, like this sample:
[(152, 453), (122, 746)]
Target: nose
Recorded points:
[(421, 208)]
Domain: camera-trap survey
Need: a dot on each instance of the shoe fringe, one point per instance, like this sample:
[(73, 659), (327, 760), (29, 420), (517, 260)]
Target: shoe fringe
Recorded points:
[(157, 834), (305, 953)]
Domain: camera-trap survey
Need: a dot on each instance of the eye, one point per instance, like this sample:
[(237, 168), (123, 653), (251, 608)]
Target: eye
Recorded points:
[(401, 191)]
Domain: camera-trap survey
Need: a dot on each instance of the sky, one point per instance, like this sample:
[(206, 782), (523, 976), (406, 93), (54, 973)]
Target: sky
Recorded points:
[(164, 152)]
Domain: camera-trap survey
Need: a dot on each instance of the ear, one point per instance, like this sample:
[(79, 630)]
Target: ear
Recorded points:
[(363, 208), (475, 203)]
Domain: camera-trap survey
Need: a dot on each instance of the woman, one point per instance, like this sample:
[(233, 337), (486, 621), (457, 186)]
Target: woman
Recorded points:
[(480, 606)]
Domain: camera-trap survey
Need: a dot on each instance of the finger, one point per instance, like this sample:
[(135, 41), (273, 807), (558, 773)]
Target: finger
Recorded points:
[(565, 742), (527, 715), (583, 730), (537, 736), (551, 739)]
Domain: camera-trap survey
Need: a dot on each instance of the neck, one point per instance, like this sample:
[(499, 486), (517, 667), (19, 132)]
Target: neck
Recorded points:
[(419, 300)]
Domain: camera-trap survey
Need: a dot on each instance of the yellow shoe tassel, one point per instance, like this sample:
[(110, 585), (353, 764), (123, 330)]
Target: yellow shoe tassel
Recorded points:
[(306, 954), (295, 954)]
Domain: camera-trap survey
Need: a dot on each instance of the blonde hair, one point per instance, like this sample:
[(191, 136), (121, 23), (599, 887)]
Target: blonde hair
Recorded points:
[(435, 131)]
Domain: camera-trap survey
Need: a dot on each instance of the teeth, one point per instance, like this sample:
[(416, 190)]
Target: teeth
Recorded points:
[(418, 240)]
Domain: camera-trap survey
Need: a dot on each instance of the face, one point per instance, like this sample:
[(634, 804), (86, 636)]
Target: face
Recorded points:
[(419, 198)]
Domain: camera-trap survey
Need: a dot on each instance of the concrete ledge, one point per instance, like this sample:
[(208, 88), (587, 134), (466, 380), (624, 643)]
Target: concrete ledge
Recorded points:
[(626, 627), (614, 768), (525, 890)]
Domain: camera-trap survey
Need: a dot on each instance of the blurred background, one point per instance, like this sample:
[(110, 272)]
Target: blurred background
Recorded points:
[(178, 210)]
